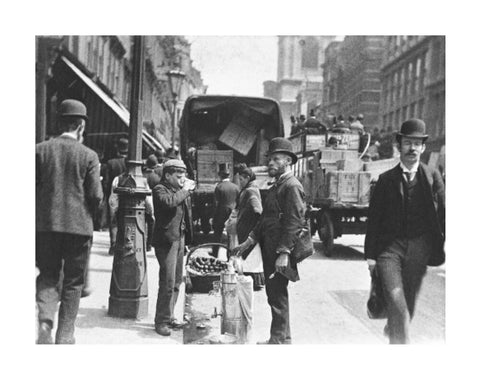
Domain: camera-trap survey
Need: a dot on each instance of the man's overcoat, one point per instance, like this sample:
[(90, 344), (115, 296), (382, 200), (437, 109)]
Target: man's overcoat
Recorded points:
[(68, 188), (386, 208)]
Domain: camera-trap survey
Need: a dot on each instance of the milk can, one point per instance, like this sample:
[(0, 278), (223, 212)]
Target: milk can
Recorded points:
[(236, 320)]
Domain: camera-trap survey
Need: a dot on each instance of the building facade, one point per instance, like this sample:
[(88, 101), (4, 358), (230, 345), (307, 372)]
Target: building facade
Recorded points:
[(97, 70), (298, 87), (352, 79), (413, 84)]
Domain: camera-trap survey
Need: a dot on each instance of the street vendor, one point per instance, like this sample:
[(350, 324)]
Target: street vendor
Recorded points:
[(281, 222)]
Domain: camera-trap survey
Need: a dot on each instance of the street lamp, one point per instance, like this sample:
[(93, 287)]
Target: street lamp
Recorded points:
[(175, 80), (129, 285)]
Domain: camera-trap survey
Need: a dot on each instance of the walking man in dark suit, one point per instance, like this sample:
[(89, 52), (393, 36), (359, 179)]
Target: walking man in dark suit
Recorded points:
[(406, 228), (68, 192), (226, 194), (281, 223), (115, 166), (171, 203)]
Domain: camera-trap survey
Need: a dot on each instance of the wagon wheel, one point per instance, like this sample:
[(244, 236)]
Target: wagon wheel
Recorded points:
[(326, 232)]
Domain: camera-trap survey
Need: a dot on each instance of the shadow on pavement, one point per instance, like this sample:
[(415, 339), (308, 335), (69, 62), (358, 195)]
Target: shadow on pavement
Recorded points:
[(340, 252), (90, 318)]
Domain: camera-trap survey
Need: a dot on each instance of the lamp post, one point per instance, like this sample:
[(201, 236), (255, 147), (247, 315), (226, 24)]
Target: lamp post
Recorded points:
[(129, 286), (175, 80)]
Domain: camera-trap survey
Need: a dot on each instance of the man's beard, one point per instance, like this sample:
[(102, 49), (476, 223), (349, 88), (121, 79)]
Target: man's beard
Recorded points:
[(275, 172)]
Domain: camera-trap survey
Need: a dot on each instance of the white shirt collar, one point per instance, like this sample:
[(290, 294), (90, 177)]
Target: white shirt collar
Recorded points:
[(71, 135), (226, 180), (405, 169)]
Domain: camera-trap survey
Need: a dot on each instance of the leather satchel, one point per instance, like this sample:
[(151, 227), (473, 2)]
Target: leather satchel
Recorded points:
[(376, 305), (303, 247)]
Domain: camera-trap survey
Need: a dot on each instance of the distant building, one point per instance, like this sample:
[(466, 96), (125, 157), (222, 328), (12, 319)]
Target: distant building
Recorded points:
[(351, 78), (97, 70), (299, 74), (413, 84)]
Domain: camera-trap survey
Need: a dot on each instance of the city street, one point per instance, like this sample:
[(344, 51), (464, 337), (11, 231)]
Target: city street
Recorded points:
[(327, 304)]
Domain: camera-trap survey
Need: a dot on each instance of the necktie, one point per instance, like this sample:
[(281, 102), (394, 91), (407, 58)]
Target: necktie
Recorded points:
[(409, 176)]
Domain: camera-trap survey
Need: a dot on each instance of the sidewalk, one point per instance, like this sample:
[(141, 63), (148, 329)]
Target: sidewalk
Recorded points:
[(94, 326)]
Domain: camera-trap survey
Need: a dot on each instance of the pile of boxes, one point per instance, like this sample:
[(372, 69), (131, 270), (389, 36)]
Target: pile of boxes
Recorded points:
[(348, 178)]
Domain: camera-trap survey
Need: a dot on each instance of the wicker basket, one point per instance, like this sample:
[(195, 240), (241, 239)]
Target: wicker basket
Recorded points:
[(202, 283)]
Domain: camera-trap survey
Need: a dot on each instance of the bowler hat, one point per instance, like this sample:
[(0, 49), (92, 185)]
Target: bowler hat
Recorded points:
[(414, 128), (282, 145), (223, 169), (152, 161), (176, 163), (123, 145), (72, 108)]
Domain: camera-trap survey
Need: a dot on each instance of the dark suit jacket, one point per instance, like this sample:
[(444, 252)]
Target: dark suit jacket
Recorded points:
[(249, 210), (168, 204), (281, 222), (386, 204), (226, 194), (115, 167), (68, 188)]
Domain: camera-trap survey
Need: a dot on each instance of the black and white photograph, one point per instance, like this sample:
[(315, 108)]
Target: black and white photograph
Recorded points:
[(210, 182), (173, 208)]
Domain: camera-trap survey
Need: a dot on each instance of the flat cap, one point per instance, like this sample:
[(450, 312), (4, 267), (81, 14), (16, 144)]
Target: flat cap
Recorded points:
[(177, 163)]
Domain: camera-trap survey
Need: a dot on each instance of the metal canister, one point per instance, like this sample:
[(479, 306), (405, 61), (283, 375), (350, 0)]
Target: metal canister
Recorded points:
[(232, 320)]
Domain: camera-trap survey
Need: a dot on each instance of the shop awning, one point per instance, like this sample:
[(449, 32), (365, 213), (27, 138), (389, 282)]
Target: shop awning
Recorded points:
[(108, 118)]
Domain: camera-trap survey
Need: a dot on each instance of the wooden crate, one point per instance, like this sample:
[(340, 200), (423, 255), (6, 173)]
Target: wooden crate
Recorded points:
[(314, 142), (297, 142), (351, 140), (348, 187), (240, 135), (208, 164), (352, 165), (334, 155)]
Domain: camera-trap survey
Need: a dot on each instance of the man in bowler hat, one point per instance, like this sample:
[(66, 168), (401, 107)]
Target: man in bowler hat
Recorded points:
[(277, 231), (226, 194), (68, 192), (406, 228), (173, 228)]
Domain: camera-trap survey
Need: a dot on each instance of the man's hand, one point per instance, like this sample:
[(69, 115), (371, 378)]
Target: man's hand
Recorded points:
[(371, 264), (281, 262), (238, 250)]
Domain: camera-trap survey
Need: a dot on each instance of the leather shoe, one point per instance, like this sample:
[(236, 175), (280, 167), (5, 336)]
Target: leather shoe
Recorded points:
[(86, 291), (44, 334), (175, 324), (163, 330)]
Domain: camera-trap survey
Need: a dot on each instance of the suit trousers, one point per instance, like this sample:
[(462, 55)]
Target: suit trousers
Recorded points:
[(51, 249), (277, 297), (170, 260), (402, 267)]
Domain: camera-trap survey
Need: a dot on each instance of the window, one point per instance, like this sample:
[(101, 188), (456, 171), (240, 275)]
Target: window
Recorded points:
[(421, 78), (412, 110), (89, 52), (413, 84), (420, 108), (101, 48), (310, 51), (404, 113), (397, 119)]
